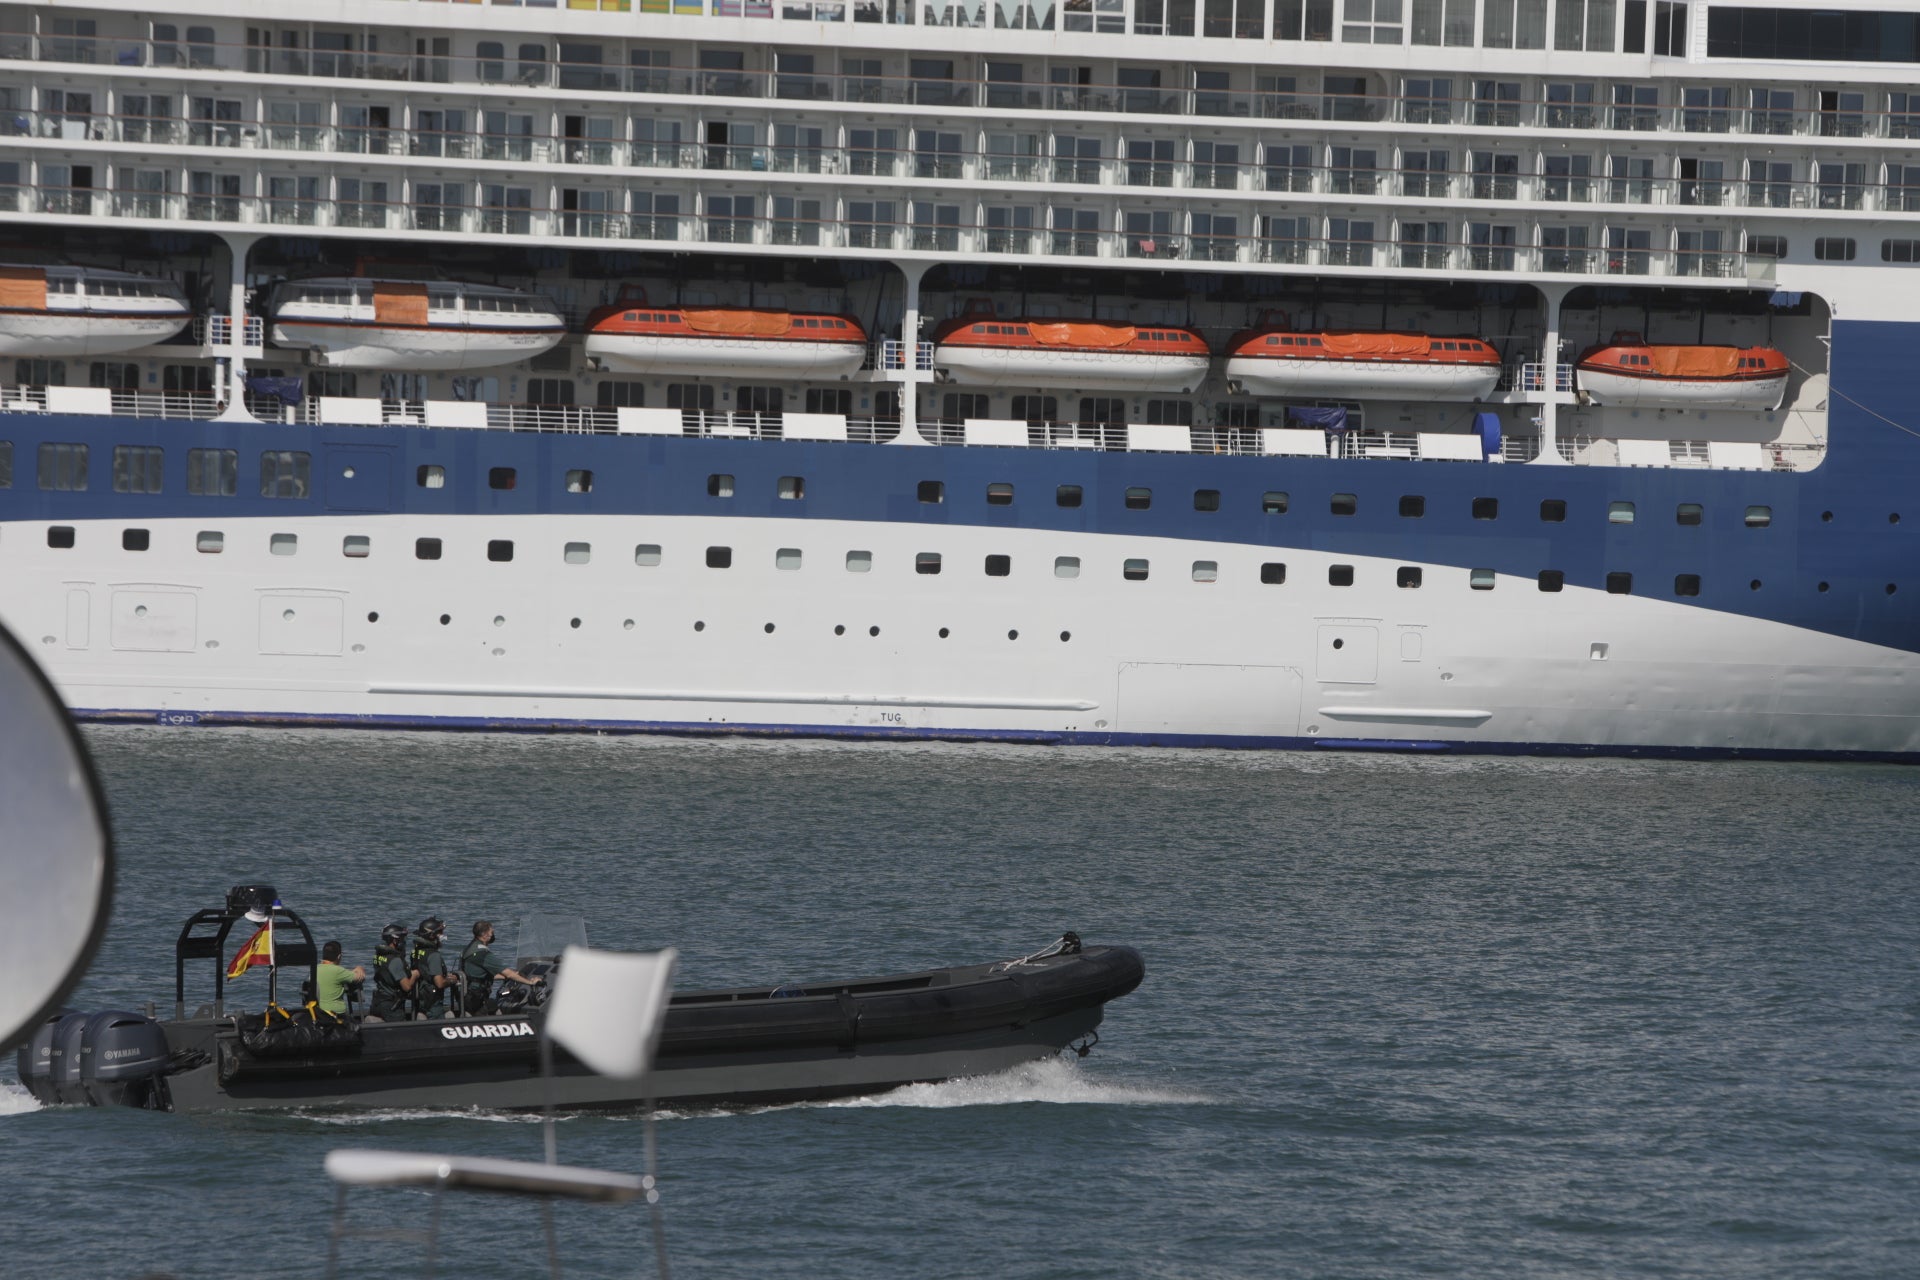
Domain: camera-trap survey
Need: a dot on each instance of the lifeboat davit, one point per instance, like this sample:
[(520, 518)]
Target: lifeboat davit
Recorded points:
[(1631, 372), (983, 350), (365, 322), (85, 311), (633, 336), (1357, 364)]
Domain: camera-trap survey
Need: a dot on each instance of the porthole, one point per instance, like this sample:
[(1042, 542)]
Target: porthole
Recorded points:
[(1412, 506), (134, 539), (1067, 495), (1139, 498), (999, 495), (931, 491), (999, 566), (426, 548), (1486, 508), (1206, 499), (1553, 510), (699, 626), (1754, 585), (719, 557), (873, 631), (768, 628), (787, 558), (1206, 570), (501, 478), (839, 630), (1407, 575), (1619, 584), (1339, 575), (1066, 566), (1065, 636), (574, 623), (1686, 584), (1135, 570), (210, 542), (859, 561), (1689, 513), (1892, 587), (577, 552), (1273, 503), (627, 625), (927, 562), (1273, 573), (944, 633), (373, 617), (579, 481), (500, 550), (1619, 513), (1759, 517), (1344, 504), (284, 544), (719, 486), (791, 488), (1481, 579), (1826, 517), (1013, 635), (1338, 643), (430, 477), (647, 554), (499, 619), (1552, 580), (356, 546), (1893, 517), (445, 618), (1823, 587)]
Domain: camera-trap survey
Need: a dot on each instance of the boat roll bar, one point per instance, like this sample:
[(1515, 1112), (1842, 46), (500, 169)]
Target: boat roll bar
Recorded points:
[(204, 937)]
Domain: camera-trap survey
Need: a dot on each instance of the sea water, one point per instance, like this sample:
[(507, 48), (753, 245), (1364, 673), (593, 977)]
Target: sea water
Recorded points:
[(1403, 1016)]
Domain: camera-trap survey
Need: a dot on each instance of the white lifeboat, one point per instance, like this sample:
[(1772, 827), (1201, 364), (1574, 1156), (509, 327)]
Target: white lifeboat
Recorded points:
[(983, 350), (85, 311), (365, 322), (1362, 364), (633, 336), (1631, 372)]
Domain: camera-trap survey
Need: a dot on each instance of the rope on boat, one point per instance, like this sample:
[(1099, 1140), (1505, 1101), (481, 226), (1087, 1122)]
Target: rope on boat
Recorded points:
[(1068, 945)]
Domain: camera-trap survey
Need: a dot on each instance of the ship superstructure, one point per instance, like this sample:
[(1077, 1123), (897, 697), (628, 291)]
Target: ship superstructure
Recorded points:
[(1496, 375)]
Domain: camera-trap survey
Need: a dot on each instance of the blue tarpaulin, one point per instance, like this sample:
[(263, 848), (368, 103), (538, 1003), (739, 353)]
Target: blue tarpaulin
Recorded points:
[(285, 390), (1488, 427), (1332, 417)]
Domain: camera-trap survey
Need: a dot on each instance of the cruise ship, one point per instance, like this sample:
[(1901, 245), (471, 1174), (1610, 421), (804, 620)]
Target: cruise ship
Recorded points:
[(1493, 376)]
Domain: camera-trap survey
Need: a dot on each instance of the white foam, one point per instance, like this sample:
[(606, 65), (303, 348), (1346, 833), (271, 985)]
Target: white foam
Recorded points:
[(419, 1113), (16, 1101), (1054, 1080)]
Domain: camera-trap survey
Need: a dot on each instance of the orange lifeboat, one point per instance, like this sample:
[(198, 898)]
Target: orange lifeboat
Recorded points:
[(980, 349), (1280, 360), (634, 336), (1631, 372)]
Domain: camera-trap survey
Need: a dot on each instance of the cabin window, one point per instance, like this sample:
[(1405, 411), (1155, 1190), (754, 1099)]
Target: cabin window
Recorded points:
[(926, 562), (1553, 510), (859, 562), (1273, 573), (613, 394), (932, 491), (787, 558), (1139, 498), (791, 487), (285, 474), (60, 537), (1551, 579), (210, 542), (426, 548), (1619, 584), (1135, 570), (1407, 575), (1759, 517), (579, 481), (1273, 503), (577, 552), (1834, 249), (719, 557), (1067, 495), (1900, 251), (999, 495), (501, 477), (999, 566), (1412, 506), (1619, 513), (6, 464), (430, 477), (1481, 579), (1066, 566), (1686, 584), (63, 467), (134, 539), (500, 550), (647, 554), (1206, 499), (1339, 575), (719, 486), (136, 468), (1486, 508), (1206, 570), (1688, 513), (284, 544), (1344, 504)]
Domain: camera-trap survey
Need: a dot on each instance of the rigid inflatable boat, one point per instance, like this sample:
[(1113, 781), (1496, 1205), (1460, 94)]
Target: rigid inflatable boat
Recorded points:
[(755, 1045)]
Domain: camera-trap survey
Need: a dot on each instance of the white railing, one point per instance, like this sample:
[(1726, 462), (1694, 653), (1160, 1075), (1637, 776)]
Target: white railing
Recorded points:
[(216, 331)]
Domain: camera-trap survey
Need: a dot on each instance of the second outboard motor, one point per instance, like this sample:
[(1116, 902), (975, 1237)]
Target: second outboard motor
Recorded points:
[(63, 1075), (35, 1058), (122, 1057)]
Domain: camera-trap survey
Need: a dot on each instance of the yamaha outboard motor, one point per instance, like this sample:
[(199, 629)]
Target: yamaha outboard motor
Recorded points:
[(35, 1058), (122, 1058), (64, 1062)]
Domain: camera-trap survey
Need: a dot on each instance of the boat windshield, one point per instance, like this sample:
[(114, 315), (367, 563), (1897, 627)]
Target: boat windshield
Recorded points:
[(543, 935)]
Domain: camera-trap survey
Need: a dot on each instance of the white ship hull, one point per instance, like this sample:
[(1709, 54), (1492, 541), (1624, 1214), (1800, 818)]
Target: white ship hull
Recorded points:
[(1682, 393), (319, 636), (1031, 367), (724, 357), (435, 350), (1362, 379), (54, 335)]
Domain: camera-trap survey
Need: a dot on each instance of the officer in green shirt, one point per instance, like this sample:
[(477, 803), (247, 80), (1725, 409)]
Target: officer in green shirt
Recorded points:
[(430, 976), (479, 966), (333, 980)]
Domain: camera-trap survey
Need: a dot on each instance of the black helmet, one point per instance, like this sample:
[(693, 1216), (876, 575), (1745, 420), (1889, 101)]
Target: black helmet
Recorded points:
[(394, 936), (432, 929)]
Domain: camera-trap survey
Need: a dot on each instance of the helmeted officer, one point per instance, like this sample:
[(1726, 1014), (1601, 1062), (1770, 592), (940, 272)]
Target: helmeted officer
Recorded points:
[(479, 967), (392, 976), (430, 977)]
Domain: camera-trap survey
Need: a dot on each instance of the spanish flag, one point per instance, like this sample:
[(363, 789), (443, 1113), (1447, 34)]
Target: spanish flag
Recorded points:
[(258, 950)]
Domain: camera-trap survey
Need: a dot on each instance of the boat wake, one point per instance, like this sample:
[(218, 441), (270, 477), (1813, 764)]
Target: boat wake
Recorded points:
[(1055, 1080), (16, 1101)]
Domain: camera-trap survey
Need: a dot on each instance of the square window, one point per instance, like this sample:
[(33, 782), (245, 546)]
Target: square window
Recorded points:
[(1339, 575), (1552, 580), (1486, 508), (134, 539), (358, 546), (719, 557), (1273, 573), (426, 548), (210, 542), (430, 477), (1412, 506), (579, 481), (719, 486), (213, 472), (500, 550), (1135, 570), (1206, 499), (1067, 495), (1273, 503), (1066, 566), (1619, 584), (1480, 579), (284, 544), (1686, 584), (859, 562), (1619, 513), (999, 566), (1407, 575), (60, 536), (285, 473), (791, 487), (786, 558), (927, 562), (1688, 513), (1139, 498), (1344, 504), (1759, 517), (577, 552), (501, 477), (137, 468), (647, 554), (1553, 510), (999, 495), (932, 491), (1206, 571)]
